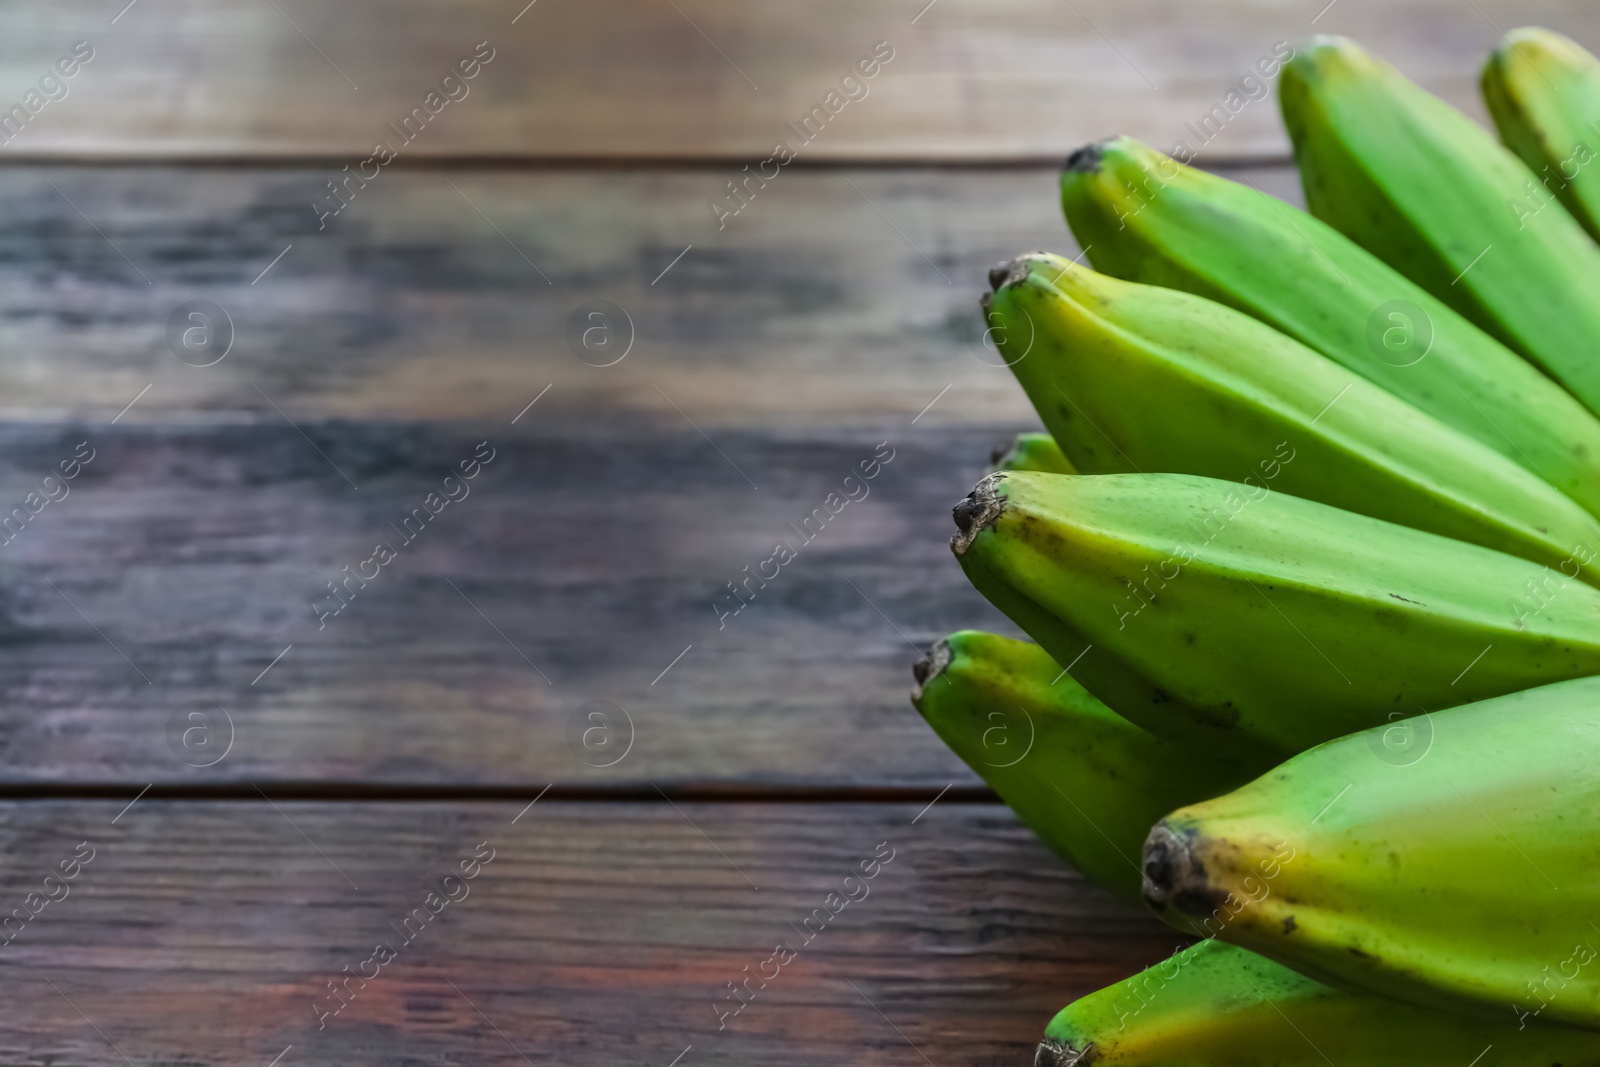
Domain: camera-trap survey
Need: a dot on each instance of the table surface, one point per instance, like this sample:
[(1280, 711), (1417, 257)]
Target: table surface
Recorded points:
[(270, 788)]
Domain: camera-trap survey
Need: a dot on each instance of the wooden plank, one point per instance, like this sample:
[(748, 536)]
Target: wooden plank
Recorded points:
[(836, 298), (580, 567), (636, 78), (597, 934)]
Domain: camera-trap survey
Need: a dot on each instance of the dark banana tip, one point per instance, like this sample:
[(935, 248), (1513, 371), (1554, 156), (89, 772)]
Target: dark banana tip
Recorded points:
[(1086, 160), (1010, 272), (1175, 875), (926, 670), (1052, 1053), (977, 512)]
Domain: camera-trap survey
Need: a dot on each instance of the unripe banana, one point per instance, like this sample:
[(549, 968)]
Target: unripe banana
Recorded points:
[(1216, 1005), (1031, 452), (1543, 90), (1434, 195), (1089, 782), (1464, 877), (1133, 377), (1256, 625), (1144, 217)]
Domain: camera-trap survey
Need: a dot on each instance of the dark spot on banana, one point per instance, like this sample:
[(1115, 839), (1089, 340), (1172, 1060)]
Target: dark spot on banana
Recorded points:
[(998, 275), (1223, 715), (1288, 924), (1397, 596)]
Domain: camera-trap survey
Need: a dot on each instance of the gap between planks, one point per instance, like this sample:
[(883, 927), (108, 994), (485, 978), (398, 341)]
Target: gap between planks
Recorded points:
[(721, 161), (421, 792)]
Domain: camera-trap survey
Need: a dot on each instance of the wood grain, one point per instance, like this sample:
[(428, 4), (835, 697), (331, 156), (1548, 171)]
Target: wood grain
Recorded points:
[(598, 934), (186, 558), (696, 78), (835, 298)]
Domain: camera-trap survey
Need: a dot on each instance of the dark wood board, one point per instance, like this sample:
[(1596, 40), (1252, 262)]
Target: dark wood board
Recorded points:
[(583, 562), (698, 78), (840, 297), (600, 933)]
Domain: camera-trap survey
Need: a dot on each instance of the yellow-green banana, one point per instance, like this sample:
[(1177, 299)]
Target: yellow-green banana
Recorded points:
[(1543, 90), (1031, 452), (1433, 194), (1132, 377), (1144, 217), (1465, 877), (1216, 1005), (1256, 624), (1089, 782)]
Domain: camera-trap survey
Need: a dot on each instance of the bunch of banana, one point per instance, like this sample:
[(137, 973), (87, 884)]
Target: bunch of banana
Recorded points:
[(1313, 529)]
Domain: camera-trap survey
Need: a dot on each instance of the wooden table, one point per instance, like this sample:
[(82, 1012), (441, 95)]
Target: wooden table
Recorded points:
[(270, 789)]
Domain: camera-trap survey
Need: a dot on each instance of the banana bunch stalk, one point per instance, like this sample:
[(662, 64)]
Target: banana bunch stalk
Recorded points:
[(1309, 555)]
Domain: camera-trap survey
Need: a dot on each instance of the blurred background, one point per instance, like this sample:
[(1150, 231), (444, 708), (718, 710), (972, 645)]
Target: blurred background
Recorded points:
[(441, 378)]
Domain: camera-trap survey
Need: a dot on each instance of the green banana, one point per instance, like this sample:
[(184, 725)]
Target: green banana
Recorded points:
[(1137, 377), (1216, 1005), (1143, 217), (1543, 91), (1031, 452), (1256, 626), (1465, 878), (1089, 782), (1432, 193)]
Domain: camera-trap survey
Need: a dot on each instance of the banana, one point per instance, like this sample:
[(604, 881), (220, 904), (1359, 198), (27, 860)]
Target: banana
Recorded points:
[(1433, 194), (1137, 377), (1543, 91), (1144, 217), (1216, 1005), (1031, 452), (1089, 782), (1466, 877), (1255, 625)]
